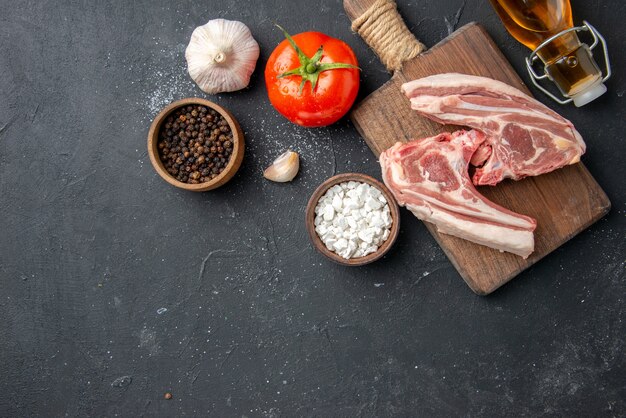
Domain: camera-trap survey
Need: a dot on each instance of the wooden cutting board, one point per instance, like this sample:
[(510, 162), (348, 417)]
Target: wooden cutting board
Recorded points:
[(563, 202)]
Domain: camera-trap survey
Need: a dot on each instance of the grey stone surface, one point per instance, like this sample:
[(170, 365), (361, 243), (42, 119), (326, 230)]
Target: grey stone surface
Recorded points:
[(116, 288)]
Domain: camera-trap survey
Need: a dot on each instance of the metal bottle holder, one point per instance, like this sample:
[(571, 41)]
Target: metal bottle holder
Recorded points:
[(530, 60)]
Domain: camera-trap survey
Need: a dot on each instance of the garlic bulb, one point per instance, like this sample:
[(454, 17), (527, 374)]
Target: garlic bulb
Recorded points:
[(221, 56), (284, 168)]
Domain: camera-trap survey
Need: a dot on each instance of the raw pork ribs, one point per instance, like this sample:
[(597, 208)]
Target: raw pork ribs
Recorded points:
[(515, 136), (430, 178), (524, 137)]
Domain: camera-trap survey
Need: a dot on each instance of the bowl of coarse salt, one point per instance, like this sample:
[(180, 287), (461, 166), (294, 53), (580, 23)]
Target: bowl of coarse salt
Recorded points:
[(353, 219)]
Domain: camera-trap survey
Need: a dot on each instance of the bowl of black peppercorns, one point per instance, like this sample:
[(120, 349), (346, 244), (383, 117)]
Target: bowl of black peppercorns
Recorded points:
[(195, 144)]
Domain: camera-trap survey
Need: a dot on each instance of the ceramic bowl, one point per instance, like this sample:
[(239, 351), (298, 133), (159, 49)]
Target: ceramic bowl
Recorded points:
[(235, 159), (317, 242)]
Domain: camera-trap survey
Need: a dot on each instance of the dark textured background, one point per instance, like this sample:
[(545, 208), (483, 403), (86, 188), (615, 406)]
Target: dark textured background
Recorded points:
[(93, 245)]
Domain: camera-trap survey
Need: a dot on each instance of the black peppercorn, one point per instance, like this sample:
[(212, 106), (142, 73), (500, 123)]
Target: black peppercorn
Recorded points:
[(195, 144)]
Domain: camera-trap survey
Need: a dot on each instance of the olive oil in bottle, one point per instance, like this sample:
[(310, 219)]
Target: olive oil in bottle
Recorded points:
[(567, 62)]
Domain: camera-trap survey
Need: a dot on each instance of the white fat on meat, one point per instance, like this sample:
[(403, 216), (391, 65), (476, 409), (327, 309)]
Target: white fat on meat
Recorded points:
[(523, 136), (430, 177)]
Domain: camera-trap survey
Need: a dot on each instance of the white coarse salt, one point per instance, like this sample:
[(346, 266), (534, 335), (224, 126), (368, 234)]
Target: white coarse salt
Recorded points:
[(329, 213), (353, 219), (337, 203)]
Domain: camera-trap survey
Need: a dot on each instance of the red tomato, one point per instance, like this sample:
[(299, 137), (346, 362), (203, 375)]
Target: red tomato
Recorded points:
[(316, 85)]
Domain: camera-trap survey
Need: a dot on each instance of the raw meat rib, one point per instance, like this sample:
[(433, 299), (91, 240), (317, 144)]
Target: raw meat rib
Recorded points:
[(524, 137), (430, 177)]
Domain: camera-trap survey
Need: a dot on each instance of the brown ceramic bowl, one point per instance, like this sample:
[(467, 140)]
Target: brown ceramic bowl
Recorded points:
[(361, 178), (235, 159)]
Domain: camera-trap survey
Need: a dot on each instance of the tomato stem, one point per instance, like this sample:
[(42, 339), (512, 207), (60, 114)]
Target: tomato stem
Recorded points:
[(310, 68)]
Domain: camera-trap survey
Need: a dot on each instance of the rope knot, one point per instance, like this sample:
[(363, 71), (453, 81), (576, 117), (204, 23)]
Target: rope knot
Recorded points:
[(383, 29)]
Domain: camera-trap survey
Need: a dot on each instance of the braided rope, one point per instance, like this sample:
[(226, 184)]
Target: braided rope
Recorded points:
[(383, 29)]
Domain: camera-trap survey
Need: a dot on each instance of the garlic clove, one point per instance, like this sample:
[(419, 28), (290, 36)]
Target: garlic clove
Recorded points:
[(284, 168), (221, 56)]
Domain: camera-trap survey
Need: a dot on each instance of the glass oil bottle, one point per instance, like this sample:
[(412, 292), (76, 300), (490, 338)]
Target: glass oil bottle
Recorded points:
[(546, 27)]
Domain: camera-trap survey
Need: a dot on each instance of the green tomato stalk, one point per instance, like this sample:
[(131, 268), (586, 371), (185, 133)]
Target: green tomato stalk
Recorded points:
[(310, 68)]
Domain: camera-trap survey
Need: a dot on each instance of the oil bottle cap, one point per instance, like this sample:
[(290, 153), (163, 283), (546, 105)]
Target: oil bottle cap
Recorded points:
[(588, 95), (569, 82)]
